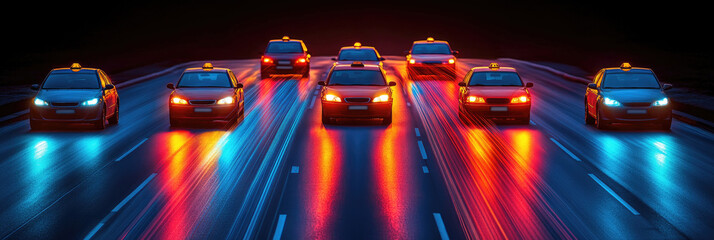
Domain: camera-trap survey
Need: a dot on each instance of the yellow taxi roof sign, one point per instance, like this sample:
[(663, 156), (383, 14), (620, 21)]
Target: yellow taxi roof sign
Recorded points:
[(75, 67), (430, 39), (207, 67), (286, 38), (494, 66), (358, 45), (625, 66)]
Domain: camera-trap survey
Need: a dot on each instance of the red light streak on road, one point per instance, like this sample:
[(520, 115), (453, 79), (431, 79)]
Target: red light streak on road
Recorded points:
[(324, 182)]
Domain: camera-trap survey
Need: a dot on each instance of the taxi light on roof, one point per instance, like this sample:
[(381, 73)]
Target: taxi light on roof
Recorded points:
[(358, 45), (430, 39), (625, 66), (494, 66), (286, 38), (357, 64), (75, 67), (207, 67)]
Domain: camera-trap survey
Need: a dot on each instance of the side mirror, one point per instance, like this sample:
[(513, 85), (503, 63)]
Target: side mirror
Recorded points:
[(321, 83), (455, 52), (170, 86), (35, 87), (333, 59), (592, 86), (238, 85), (666, 86), (462, 84), (392, 83), (382, 59), (109, 87), (529, 85)]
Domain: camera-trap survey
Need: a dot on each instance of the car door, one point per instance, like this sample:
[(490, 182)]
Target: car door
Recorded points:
[(110, 95), (464, 91), (591, 95), (238, 92)]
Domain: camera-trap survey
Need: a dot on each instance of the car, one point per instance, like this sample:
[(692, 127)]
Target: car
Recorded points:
[(285, 57), (431, 57), (357, 52), (75, 95), (206, 95), (356, 91), (495, 92), (627, 94)]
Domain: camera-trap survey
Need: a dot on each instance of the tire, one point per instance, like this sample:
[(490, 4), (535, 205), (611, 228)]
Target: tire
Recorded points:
[(264, 75), (115, 118), (102, 122), (589, 120), (666, 125), (600, 124), (36, 125)]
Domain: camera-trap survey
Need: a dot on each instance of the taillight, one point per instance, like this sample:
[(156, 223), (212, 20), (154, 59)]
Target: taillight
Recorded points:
[(301, 60), (267, 60)]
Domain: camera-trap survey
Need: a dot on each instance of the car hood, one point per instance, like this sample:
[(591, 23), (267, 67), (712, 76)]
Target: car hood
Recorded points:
[(634, 95), (68, 95), (432, 57), (203, 93), (284, 56), (357, 91), (497, 92)]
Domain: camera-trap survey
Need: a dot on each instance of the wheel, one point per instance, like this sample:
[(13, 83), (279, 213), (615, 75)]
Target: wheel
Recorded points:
[(599, 123), (666, 125), (387, 120), (36, 125), (306, 74), (115, 118), (589, 120), (102, 122)]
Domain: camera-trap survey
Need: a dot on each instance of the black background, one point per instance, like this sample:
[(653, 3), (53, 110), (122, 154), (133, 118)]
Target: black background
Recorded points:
[(673, 39)]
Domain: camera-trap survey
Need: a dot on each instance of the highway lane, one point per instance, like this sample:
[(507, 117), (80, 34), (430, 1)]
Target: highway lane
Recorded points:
[(361, 179)]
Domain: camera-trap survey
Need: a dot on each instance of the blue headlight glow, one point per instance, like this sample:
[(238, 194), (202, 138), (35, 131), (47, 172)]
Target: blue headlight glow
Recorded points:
[(91, 102), (661, 102), (40, 102), (610, 102)]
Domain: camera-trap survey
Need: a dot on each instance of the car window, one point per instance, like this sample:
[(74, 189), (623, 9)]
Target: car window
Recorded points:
[(630, 80), (357, 55), (75, 80), (357, 77), (431, 48), (205, 79), (495, 79), (284, 47)]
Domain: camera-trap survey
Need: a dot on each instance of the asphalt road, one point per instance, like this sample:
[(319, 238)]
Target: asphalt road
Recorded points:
[(279, 172)]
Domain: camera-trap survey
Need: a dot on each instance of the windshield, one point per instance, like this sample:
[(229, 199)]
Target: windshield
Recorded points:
[(431, 48), (358, 55), (630, 80), (85, 80), (495, 79), (357, 77), (207, 79), (284, 47)]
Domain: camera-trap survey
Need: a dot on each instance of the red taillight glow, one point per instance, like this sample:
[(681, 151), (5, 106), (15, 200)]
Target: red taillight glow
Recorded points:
[(267, 60), (302, 60), (521, 99), (452, 61), (412, 61)]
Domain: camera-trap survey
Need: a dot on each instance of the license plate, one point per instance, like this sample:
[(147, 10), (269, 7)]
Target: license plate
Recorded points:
[(357, 107), (202, 110), (65, 111), (284, 67), (284, 62), (637, 111), (499, 109)]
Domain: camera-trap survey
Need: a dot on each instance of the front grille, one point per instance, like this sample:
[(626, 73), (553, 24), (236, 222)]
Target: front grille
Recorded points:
[(64, 104), (432, 62), (637, 104), (202, 102), (357, 100), (497, 100)]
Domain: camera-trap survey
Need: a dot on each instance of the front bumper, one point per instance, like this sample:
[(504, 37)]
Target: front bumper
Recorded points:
[(505, 111), (431, 69), (622, 114), (203, 113), (74, 114), (293, 68), (342, 110)]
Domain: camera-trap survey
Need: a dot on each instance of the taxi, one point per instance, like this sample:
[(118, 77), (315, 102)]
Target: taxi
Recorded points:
[(356, 91), (285, 57), (431, 57), (205, 94), (495, 92), (627, 95), (357, 52), (75, 95)]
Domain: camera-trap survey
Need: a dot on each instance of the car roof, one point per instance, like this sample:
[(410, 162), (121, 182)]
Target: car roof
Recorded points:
[(68, 70), (198, 69), (372, 67), (633, 69), (435, 41), (487, 69), (362, 47), (291, 40)]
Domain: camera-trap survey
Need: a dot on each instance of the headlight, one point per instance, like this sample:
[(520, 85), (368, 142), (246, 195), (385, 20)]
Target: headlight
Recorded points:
[(40, 102), (178, 100), (610, 102), (452, 61), (91, 102), (226, 100), (661, 102), (332, 98), (521, 99), (475, 99), (381, 98)]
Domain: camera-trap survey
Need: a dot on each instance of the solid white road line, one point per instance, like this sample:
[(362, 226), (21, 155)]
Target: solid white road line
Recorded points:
[(422, 150), (312, 104), (279, 228), (565, 149), (440, 225), (131, 150), (295, 169), (602, 184)]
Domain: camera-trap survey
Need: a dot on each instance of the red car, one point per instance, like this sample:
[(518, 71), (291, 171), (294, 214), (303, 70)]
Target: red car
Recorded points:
[(495, 92), (285, 57), (431, 57), (356, 90), (206, 94), (359, 53)]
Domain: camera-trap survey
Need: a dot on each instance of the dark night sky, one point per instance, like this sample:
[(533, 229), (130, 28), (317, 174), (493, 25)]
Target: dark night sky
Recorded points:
[(125, 35)]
